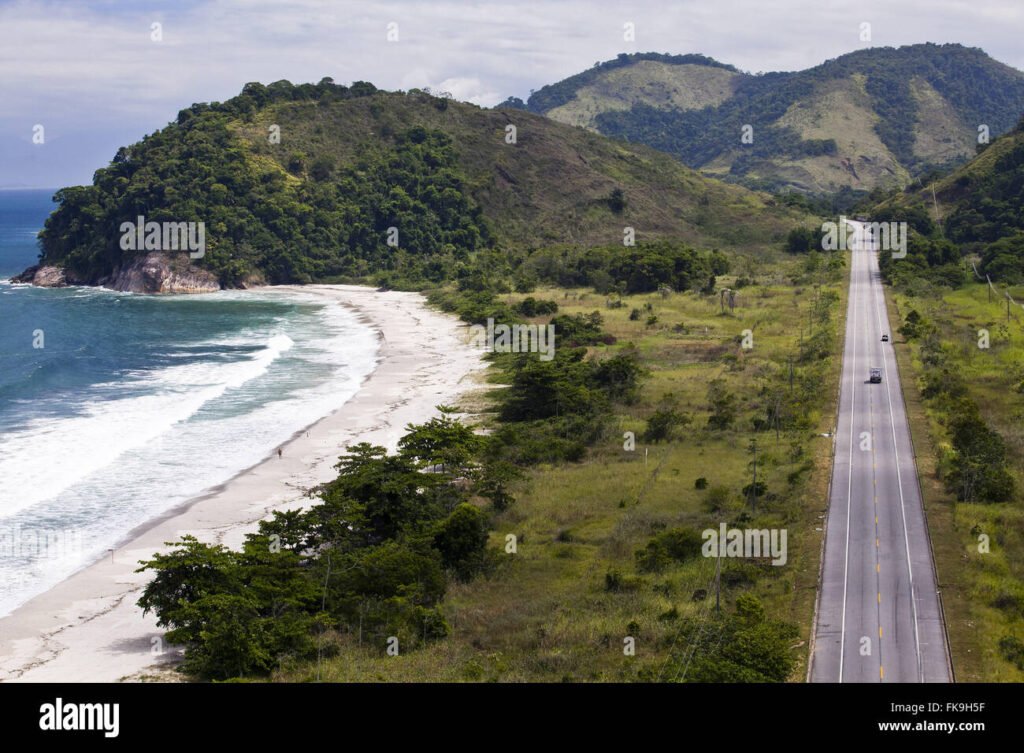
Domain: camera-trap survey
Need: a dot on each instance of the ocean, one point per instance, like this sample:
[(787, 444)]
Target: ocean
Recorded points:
[(115, 407)]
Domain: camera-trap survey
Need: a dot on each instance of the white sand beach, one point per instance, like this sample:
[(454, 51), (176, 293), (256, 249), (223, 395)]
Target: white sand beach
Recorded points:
[(89, 629)]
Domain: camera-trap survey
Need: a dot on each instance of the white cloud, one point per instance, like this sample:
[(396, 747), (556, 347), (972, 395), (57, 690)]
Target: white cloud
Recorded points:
[(92, 64)]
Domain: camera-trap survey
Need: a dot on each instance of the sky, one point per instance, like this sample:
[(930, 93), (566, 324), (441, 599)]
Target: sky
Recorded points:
[(95, 76)]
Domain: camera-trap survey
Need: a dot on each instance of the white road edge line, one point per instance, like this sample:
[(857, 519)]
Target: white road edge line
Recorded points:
[(849, 467), (899, 482)]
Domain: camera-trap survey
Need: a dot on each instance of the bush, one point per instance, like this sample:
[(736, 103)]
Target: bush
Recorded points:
[(1012, 649), (616, 582), (722, 405), (665, 424), (979, 469), (743, 646), (462, 539), (531, 307), (671, 546), (617, 200)]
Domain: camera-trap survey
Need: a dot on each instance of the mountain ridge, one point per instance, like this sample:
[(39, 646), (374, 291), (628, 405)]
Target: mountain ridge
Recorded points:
[(908, 109), (352, 165)]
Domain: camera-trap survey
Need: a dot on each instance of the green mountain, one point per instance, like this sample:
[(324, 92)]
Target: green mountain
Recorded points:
[(976, 209), (872, 118), (311, 182)]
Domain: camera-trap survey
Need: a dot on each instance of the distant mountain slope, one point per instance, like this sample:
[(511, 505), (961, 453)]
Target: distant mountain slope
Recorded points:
[(979, 207), (871, 118), (354, 162)]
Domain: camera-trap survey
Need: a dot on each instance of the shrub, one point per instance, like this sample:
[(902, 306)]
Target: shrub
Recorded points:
[(674, 545), (462, 539)]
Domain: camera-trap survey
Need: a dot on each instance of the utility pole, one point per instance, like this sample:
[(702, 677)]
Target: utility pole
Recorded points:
[(753, 486), (718, 581), (778, 407)]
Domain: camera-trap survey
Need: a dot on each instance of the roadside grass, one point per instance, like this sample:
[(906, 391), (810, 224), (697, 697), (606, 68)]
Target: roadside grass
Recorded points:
[(983, 593), (562, 606)]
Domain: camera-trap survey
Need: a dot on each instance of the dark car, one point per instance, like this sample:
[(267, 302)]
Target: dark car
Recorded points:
[(885, 338)]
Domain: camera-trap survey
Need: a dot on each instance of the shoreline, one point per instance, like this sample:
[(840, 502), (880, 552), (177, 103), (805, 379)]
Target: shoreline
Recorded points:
[(87, 628)]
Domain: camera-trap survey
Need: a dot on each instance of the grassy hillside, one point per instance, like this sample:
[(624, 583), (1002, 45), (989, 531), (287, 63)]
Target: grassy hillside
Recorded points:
[(687, 86), (304, 183), (976, 204), (872, 118), (973, 211)]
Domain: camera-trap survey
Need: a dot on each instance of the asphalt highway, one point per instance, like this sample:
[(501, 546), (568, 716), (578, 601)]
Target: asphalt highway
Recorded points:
[(878, 616)]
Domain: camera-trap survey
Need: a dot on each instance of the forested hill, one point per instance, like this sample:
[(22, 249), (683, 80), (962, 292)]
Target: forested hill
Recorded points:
[(978, 208), (301, 183), (875, 117)]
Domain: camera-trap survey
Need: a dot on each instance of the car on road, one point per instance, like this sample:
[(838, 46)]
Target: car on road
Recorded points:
[(885, 338), (875, 376)]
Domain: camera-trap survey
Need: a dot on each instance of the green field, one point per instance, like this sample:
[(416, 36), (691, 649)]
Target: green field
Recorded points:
[(561, 606), (982, 592)]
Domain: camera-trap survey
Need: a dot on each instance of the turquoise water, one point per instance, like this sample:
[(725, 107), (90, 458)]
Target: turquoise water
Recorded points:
[(115, 407)]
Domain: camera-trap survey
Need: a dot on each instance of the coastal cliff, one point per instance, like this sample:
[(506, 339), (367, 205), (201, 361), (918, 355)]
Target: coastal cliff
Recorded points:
[(155, 272)]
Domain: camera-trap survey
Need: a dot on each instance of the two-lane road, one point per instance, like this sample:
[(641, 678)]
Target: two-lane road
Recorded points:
[(878, 617)]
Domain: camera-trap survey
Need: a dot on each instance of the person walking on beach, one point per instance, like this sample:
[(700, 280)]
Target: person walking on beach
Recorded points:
[(278, 453)]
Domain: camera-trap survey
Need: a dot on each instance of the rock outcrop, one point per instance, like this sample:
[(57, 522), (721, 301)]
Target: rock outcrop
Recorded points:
[(155, 272), (158, 273), (43, 276)]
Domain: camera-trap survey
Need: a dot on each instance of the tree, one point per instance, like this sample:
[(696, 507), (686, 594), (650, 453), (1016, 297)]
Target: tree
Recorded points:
[(443, 442), (385, 492), (617, 200), (666, 422), (619, 376), (496, 478), (979, 472), (321, 169), (722, 405), (462, 540), (801, 240), (185, 575), (744, 646)]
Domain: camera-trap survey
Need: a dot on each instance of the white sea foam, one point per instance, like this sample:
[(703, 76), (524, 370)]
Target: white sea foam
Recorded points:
[(49, 455), (144, 444)]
